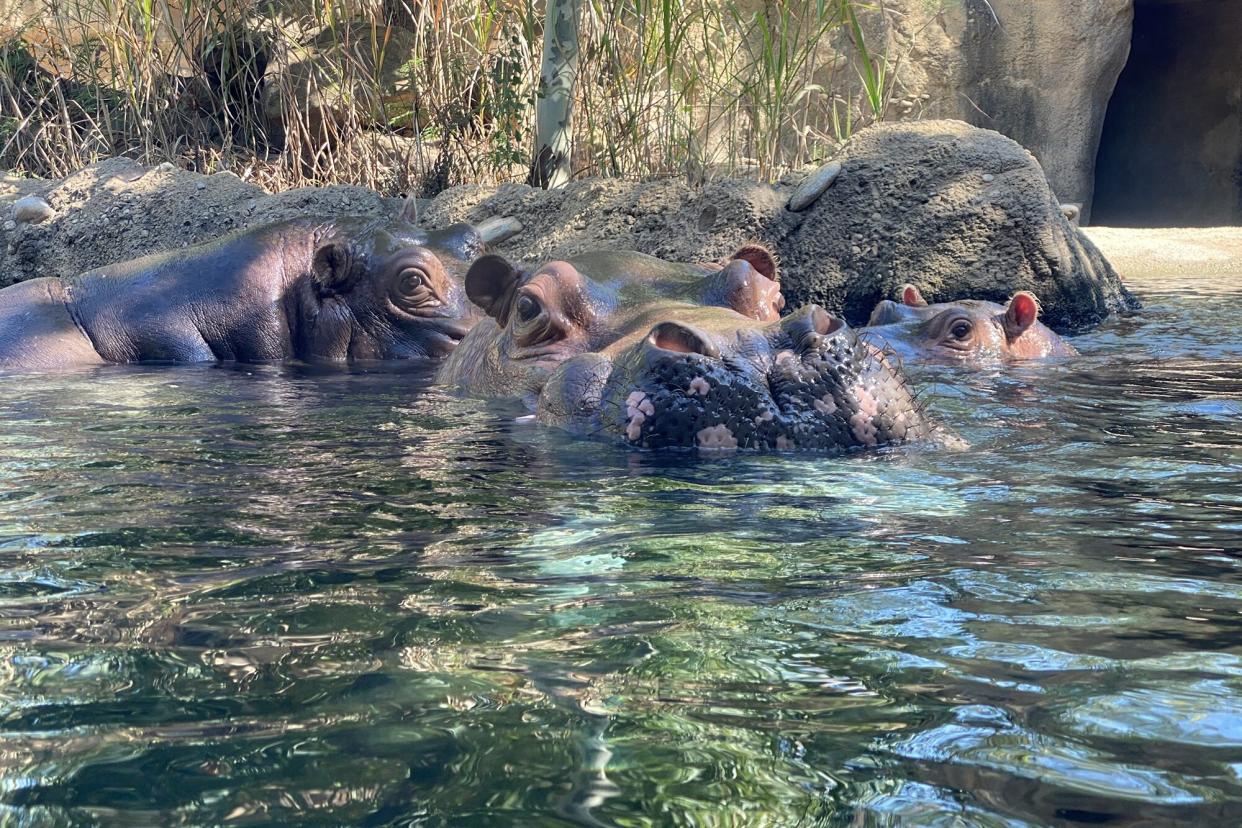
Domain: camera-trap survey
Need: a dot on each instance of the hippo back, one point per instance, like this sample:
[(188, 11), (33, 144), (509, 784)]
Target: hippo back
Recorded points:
[(37, 332)]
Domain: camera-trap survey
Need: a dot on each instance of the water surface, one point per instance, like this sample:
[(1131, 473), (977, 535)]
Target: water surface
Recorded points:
[(312, 596)]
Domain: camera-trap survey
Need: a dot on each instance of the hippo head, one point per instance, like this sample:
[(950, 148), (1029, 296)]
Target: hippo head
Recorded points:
[(705, 377), (539, 317), (967, 329), (387, 290)]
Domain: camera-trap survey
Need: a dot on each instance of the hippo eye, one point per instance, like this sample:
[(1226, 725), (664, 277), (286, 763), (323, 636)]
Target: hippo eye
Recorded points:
[(528, 308), (414, 286), (961, 329)]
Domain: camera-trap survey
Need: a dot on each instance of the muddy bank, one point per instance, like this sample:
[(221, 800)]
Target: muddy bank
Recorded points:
[(959, 211), (118, 210)]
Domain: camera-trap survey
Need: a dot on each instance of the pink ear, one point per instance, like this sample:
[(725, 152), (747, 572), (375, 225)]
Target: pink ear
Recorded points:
[(1021, 312), (910, 296)]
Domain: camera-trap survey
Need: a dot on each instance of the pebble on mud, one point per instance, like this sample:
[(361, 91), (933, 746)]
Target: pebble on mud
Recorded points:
[(497, 229), (32, 210), (814, 186)]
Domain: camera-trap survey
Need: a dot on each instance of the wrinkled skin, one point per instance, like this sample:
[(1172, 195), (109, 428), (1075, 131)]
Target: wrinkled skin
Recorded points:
[(681, 376), (326, 289), (971, 330), (540, 316)]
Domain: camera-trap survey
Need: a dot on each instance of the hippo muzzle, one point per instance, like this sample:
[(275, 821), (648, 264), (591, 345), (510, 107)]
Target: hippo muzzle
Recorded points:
[(804, 383)]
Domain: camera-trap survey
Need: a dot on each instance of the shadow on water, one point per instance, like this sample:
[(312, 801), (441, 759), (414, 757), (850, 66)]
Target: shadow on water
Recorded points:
[(323, 595)]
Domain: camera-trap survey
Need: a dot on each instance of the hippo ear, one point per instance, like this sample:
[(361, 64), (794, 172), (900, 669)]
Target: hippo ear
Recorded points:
[(760, 258), (1020, 313), (330, 268), (490, 283), (911, 297)]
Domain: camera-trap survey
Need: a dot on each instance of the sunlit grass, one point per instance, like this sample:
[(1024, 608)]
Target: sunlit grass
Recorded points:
[(417, 96)]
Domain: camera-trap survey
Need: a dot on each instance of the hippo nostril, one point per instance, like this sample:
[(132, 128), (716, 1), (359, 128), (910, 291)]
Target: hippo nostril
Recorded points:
[(824, 323), (809, 327), (682, 339)]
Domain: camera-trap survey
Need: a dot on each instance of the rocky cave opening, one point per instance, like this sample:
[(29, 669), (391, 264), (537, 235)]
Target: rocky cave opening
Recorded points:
[(1171, 149)]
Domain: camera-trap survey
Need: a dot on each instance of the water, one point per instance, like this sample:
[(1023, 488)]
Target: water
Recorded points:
[(251, 596)]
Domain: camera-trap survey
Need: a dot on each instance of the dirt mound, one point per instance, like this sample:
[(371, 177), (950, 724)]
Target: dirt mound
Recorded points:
[(958, 211), (118, 210)]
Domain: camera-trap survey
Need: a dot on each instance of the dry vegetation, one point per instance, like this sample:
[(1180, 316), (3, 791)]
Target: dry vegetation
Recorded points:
[(414, 95)]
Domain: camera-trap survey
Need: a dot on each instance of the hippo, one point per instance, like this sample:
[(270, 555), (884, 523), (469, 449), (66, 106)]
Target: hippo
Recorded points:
[(541, 315), (968, 329), (686, 376), (657, 355), (348, 288)]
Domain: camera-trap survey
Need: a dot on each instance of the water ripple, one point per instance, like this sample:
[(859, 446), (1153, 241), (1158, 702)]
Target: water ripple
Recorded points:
[(317, 595)]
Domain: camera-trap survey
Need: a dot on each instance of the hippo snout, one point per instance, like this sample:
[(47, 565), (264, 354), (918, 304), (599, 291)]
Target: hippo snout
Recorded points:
[(713, 380), (455, 329), (439, 336)]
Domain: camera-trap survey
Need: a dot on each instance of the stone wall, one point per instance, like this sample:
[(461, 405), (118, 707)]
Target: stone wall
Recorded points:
[(1039, 72)]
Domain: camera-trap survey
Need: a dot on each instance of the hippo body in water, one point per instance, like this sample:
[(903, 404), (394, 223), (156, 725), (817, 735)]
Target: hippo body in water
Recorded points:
[(969, 329), (310, 289), (539, 316), (656, 355)]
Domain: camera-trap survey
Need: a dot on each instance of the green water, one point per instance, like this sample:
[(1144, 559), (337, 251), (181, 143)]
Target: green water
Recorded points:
[(285, 595)]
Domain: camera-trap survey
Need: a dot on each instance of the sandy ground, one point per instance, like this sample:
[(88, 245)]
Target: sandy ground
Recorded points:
[(1204, 257)]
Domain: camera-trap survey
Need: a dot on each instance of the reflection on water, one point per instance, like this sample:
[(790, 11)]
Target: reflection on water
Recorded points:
[(323, 596)]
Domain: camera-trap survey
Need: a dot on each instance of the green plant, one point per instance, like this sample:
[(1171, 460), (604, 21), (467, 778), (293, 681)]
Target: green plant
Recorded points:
[(870, 72)]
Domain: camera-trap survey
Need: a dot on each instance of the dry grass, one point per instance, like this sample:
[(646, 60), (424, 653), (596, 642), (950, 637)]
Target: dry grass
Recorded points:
[(415, 95)]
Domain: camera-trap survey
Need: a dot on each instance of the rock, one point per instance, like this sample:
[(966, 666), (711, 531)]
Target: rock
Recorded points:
[(988, 178), (32, 210), (956, 246), (814, 186), (10, 225), (497, 229)]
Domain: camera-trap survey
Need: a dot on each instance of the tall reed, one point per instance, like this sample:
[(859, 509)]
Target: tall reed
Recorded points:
[(414, 95)]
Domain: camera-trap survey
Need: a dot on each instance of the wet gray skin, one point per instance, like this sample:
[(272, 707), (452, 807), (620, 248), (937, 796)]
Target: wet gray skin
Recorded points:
[(970, 330), (680, 376), (539, 316), (307, 289)]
